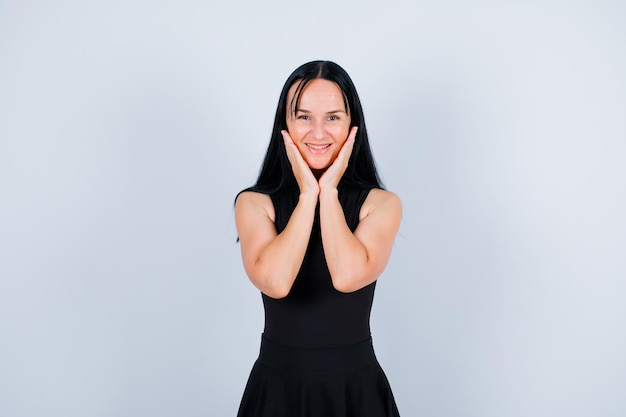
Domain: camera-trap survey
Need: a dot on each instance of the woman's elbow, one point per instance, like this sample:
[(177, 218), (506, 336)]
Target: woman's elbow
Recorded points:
[(272, 287), (276, 292), (350, 284)]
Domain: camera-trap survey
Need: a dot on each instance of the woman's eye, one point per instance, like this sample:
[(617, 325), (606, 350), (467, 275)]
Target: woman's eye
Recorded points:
[(303, 117), (333, 117)]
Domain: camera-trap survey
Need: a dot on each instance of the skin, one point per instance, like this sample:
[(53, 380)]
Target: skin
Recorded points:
[(319, 142)]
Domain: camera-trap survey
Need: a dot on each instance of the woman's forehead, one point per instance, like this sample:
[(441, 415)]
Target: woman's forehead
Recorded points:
[(318, 91)]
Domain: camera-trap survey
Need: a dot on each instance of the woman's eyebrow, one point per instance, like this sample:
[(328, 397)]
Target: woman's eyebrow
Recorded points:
[(328, 112)]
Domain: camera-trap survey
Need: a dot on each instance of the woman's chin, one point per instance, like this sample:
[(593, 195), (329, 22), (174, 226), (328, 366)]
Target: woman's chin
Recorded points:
[(319, 165)]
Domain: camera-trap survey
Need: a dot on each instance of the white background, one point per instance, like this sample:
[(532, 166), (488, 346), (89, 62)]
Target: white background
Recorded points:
[(128, 127)]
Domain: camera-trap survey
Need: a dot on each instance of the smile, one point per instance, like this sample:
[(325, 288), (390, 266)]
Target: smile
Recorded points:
[(317, 148)]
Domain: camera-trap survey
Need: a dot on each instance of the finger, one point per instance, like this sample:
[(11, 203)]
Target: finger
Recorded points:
[(286, 136), (336, 170), (302, 172), (352, 135), (346, 149), (293, 153), (287, 139), (289, 146)]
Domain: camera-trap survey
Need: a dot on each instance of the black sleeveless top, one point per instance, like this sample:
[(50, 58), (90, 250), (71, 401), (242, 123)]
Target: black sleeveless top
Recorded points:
[(314, 314)]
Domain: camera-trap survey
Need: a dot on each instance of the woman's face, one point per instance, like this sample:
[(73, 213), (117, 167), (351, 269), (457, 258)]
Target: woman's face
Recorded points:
[(321, 123)]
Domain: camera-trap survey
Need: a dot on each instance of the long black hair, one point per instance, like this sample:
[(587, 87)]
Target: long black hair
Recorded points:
[(276, 174)]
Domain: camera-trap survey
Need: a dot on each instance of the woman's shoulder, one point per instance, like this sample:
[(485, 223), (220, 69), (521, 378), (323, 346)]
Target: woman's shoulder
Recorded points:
[(380, 199), (251, 193), (380, 194), (254, 200)]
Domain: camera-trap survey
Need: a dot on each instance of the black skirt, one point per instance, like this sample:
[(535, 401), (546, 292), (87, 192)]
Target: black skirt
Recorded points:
[(341, 382)]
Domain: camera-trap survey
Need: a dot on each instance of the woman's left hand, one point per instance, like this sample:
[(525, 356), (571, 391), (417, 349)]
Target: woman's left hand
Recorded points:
[(332, 176)]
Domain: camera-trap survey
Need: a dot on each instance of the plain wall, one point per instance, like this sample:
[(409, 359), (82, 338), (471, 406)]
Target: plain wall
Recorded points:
[(128, 127)]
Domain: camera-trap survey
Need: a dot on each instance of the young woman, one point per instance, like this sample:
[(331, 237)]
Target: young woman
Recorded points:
[(316, 231)]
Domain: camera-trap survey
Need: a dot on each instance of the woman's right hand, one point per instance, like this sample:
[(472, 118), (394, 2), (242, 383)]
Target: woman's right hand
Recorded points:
[(304, 176)]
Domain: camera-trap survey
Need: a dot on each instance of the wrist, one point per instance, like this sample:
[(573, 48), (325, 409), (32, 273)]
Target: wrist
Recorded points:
[(329, 192), (308, 196)]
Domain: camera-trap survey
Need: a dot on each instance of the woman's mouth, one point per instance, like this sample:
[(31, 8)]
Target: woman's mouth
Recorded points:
[(317, 148)]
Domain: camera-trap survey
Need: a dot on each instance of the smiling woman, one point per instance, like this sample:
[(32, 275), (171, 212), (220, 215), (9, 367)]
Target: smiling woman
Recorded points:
[(316, 232), (319, 123)]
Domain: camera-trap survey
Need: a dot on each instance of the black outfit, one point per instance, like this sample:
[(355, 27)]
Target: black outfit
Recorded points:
[(316, 357)]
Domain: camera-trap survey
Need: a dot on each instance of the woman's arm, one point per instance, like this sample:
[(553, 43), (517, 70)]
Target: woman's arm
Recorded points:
[(273, 260), (357, 259)]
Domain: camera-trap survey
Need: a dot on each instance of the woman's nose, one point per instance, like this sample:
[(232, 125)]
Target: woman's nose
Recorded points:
[(318, 130)]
